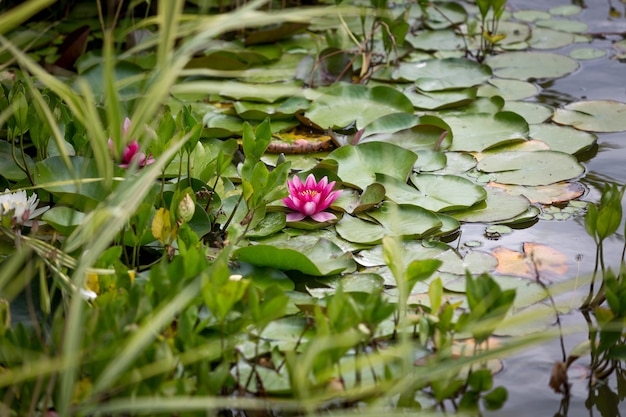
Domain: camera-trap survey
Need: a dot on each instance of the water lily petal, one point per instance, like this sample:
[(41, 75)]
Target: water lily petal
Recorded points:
[(295, 216), (323, 216), (310, 183), (309, 208)]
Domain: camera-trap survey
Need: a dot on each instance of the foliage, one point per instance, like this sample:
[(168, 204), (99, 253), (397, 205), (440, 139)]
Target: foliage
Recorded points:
[(166, 275)]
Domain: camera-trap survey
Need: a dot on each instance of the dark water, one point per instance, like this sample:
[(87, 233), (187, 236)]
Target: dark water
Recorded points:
[(526, 375)]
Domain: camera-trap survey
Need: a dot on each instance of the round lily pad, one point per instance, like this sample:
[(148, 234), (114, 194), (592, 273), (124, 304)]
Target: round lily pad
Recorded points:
[(543, 38), (571, 26), (593, 115), (531, 168), (444, 74), (565, 10), (477, 132), (509, 89), (587, 53), (531, 112), (562, 138), (526, 65), (499, 206)]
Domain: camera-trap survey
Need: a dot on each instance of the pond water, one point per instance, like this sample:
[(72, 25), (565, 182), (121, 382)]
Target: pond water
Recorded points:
[(526, 375)]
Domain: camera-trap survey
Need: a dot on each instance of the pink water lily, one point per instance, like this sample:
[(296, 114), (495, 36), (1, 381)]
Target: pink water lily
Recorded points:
[(310, 199), (131, 153)]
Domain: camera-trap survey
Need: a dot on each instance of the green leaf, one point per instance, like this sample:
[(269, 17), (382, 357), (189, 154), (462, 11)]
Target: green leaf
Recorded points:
[(593, 115), (531, 168), (525, 65), (443, 74), (498, 206), (341, 105), (358, 165), (481, 131), (409, 221), (321, 258), (495, 399), (63, 219)]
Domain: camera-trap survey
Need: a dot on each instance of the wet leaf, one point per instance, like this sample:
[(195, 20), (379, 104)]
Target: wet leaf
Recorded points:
[(525, 65), (533, 113), (443, 74), (498, 207), (358, 165), (321, 258), (593, 115), (536, 259), (341, 105), (563, 138), (545, 194), (530, 168), (477, 132)]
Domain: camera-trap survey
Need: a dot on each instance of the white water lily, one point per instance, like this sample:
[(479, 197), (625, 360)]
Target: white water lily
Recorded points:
[(21, 207)]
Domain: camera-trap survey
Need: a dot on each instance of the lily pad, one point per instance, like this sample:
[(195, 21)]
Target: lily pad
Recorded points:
[(587, 53), (477, 132), (593, 115), (63, 219), (543, 38), (358, 165), (403, 220), (498, 207), (526, 65), (436, 40), (545, 194), (563, 138), (509, 89), (282, 109), (435, 100), (531, 168), (445, 192), (341, 105), (565, 10), (571, 26), (321, 258), (443, 74), (531, 112)]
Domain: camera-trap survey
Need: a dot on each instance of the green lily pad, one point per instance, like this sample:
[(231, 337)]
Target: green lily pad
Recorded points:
[(498, 207), (358, 165), (321, 258), (434, 192), (587, 53), (565, 10), (571, 26), (342, 105), (525, 65), (530, 15), (258, 111), (77, 189), (477, 132), (8, 168), (543, 38), (63, 219), (531, 168), (435, 100), (508, 89), (436, 40), (563, 138), (514, 32), (593, 115), (428, 161), (531, 112), (443, 74), (404, 220)]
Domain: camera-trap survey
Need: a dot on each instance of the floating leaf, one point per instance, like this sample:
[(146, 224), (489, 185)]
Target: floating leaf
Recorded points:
[(525, 65), (498, 207), (565, 10), (402, 220), (321, 258), (63, 219), (443, 74), (358, 165), (508, 89), (477, 132), (535, 260), (545, 194), (543, 38), (531, 168), (593, 115), (587, 53), (341, 105), (563, 138), (533, 113), (436, 40)]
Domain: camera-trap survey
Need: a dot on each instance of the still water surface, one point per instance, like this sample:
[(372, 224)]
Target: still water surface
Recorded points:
[(526, 375)]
